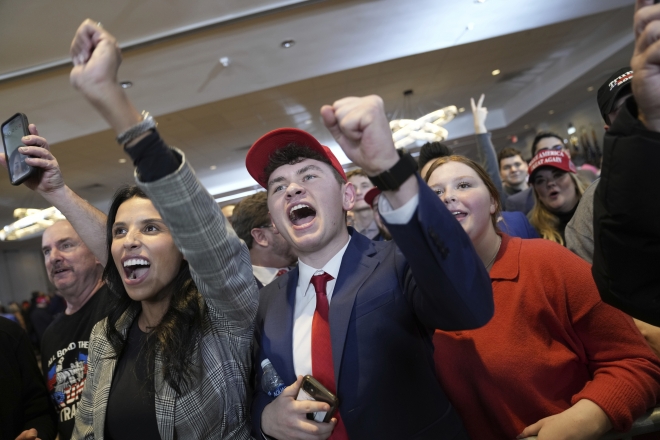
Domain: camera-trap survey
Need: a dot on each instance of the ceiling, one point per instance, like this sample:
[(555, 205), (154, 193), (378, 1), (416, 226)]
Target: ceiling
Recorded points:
[(549, 53)]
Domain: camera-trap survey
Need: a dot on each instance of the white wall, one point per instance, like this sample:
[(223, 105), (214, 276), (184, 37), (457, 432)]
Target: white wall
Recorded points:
[(21, 272)]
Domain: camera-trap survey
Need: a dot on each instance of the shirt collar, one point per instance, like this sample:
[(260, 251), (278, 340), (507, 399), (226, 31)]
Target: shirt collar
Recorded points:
[(265, 275), (305, 272)]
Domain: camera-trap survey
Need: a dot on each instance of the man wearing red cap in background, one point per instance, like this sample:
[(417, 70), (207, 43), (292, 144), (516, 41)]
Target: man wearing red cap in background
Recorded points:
[(358, 315), (371, 197)]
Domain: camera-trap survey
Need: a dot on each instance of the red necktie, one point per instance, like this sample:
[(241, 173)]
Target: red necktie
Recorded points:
[(281, 272), (322, 366)]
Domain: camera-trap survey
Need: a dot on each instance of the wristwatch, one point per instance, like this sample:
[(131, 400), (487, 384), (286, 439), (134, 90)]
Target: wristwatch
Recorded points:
[(147, 123), (393, 178)]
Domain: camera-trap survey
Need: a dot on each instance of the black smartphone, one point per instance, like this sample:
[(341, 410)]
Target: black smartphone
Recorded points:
[(312, 389), (13, 130)]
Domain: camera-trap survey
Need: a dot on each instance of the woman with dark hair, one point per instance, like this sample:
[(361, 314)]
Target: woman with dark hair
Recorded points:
[(554, 361), (166, 308), (173, 358)]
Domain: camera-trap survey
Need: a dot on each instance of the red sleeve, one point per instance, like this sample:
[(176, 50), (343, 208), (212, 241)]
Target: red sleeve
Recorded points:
[(625, 372)]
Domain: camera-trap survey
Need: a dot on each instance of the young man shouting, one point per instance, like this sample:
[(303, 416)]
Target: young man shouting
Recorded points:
[(358, 315)]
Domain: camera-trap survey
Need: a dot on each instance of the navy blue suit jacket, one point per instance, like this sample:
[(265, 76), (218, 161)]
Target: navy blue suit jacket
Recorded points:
[(387, 301), (515, 224)]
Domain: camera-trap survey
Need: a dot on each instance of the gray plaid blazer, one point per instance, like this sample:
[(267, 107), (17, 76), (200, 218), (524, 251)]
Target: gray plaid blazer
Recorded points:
[(216, 406)]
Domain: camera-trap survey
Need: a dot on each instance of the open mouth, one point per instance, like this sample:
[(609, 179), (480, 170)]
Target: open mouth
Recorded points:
[(135, 268), (553, 193), (459, 215), (301, 214), (59, 270)]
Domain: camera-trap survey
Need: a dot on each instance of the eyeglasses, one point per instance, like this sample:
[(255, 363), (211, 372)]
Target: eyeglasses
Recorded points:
[(554, 147)]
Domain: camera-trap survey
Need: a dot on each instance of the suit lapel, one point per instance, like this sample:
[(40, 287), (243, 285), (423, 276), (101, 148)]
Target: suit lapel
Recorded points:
[(356, 266), (280, 328), (165, 402)]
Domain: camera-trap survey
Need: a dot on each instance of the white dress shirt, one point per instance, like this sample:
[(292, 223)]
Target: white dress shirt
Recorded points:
[(303, 313), (265, 275)]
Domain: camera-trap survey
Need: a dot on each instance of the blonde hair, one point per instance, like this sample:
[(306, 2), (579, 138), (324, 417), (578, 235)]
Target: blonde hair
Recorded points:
[(544, 221)]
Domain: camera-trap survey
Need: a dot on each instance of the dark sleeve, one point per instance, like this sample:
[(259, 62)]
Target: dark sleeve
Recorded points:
[(488, 160), (153, 159), (627, 219), (451, 289), (39, 412)]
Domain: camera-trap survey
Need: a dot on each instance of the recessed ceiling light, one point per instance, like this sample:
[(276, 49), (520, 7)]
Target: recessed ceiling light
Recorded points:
[(496, 72), (122, 160), (287, 43), (213, 167), (461, 110), (551, 112), (224, 61), (590, 89), (126, 84)]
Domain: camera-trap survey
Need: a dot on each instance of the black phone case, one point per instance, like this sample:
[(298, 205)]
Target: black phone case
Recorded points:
[(25, 133), (320, 393)]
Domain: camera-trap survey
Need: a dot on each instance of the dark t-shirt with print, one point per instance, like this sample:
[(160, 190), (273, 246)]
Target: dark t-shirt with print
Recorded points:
[(64, 357)]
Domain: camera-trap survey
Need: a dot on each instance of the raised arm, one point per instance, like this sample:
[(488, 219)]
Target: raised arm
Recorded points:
[(219, 261), (485, 148), (88, 221), (451, 289)]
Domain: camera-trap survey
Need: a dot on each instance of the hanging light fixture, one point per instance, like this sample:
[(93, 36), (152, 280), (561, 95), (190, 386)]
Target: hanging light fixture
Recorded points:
[(408, 133), (30, 223)]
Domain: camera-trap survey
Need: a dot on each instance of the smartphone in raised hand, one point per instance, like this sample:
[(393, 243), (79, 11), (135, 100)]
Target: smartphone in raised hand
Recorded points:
[(13, 130)]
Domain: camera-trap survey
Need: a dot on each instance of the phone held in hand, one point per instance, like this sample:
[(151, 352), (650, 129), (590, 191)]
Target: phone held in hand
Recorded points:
[(312, 389), (13, 130)]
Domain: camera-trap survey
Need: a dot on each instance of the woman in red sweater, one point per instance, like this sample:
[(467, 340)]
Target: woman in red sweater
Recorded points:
[(554, 361)]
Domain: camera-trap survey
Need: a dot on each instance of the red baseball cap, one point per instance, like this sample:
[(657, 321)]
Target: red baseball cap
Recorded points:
[(551, 158), (371, 195), (259, 154)]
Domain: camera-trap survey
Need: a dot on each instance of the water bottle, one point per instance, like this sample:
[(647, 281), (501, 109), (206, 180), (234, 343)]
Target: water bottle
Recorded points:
[(271, 382)]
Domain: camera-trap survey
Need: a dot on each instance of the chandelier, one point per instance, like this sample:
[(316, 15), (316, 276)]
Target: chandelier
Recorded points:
[(429, 128), (408, 133), (30, 223)]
